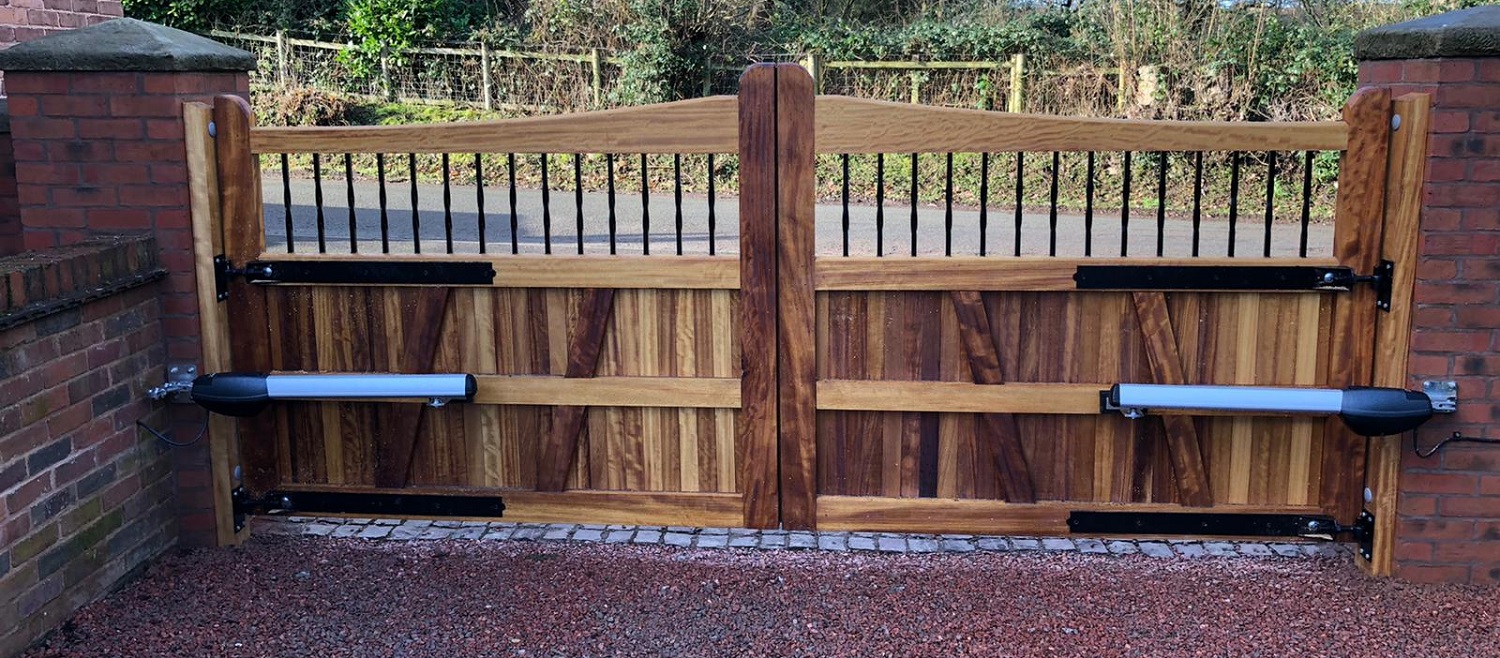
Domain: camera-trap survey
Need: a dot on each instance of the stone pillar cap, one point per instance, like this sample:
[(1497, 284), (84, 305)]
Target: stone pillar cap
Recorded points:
[(1473, 32), (125, 44)]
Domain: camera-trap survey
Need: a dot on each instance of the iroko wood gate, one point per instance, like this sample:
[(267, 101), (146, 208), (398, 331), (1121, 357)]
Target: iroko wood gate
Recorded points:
[(930, 393)]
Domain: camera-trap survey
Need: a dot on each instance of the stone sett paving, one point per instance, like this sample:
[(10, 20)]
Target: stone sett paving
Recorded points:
[(392, 530)]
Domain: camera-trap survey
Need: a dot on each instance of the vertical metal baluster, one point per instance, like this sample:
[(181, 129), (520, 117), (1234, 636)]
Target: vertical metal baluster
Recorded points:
[(1161, 203), (1052, 205), (416, 217), (645, 208), (984, 199), (578, 195), (879, 204), (349, 186), (1270, 199), (1197, 199), (609, 164), (913, 204), (1020, 194), (515, 221), (286, 202), (385, 220), (1307, 173), (1125, 208), (844, 160), (546, 207), (712, 235), (447, 204), (1088, 207), (318, 202), (1234, 196), (677, 196), (479, 197), (948, 211)]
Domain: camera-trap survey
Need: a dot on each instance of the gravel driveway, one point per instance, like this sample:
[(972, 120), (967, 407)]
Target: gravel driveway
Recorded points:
[(348, 597)]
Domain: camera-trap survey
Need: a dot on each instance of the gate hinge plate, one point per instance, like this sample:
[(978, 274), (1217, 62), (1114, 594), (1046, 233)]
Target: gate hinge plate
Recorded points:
[(1383, 278), (363, 504), (225, 270), (1363, 531)]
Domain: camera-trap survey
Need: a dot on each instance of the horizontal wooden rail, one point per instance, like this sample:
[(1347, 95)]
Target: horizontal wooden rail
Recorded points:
[(700, 125), (534, 271), (691, 392), (852, 125), (913, 65), (963, 397), (1024, 273), (988, 517), (700, 510)]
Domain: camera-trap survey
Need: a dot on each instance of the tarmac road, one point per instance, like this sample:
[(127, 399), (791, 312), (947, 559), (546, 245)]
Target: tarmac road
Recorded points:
[(531, 224)]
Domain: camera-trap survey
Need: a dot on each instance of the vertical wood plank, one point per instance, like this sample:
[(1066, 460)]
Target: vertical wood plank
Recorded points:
[(757, 424), (997, 432), (1358, 216), (400, 425), (1166, 367), (584, 344), (244, 240), (796, 311)]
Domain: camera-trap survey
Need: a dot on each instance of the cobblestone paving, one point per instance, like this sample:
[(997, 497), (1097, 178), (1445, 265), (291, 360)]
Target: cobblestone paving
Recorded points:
[(392, 530)]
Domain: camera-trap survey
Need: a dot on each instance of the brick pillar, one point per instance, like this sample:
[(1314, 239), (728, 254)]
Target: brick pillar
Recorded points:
[(1448, 525), (96, 122)]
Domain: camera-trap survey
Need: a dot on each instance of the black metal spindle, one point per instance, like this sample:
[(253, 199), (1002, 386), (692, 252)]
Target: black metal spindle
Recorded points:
[(1307, 176), (1161, 202), (447, 205), (984, 199), (913, 204), (1125, 209), (546, 207), (479, 197), (677, 197), (609, 165), (645, 207), (578, 196), (1197, 199), (879, 204), (349, 187), (844, 160), (286, 202), (416, 216), (1020, 195), (712, 235), (1052, 206), (1270, 199), (948, 210), (318, 202), (1088, 207), (1234, 196), (385, 220), (515, 220)]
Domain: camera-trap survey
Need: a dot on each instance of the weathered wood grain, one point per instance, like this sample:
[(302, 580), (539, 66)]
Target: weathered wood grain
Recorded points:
[(1018, 274), (421, 325), (795, 245), (997, 432), (563, 271), (1166, 368), (759, 351), (584, 344)]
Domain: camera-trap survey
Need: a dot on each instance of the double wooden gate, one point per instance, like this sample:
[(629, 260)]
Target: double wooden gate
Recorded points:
[(779, 386)]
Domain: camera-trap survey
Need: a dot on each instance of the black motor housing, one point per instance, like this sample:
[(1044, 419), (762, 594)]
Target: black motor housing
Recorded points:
[(1384, 411), (232, 393)]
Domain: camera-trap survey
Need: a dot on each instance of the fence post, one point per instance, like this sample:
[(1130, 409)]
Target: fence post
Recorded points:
[(1016, 102), (813, 62), (757, 424), (596, 76), (385, 75), (486, 96), (796, 369), (281, 58), (916, 86), (1120, 86)]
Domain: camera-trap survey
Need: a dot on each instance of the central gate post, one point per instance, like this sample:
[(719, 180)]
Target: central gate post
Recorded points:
[(796, 179)]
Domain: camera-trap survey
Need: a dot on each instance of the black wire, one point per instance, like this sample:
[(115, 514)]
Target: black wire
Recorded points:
[(1455, 437), (176, 444)]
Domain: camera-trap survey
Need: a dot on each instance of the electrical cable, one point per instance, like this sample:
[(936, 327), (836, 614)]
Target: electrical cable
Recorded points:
[(1456, 437), (178, 444)]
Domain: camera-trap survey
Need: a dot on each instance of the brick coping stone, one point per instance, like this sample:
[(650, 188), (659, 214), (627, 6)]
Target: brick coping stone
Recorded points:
[(395, 530), (1473, 32), (125, 44)]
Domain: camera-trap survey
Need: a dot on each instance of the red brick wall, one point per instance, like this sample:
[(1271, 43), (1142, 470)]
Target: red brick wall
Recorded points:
[(1449, 526), (25, 20), (84, 497)]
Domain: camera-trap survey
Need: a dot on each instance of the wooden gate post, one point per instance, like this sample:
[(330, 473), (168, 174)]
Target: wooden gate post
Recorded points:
[(756, 426), (796, 312)]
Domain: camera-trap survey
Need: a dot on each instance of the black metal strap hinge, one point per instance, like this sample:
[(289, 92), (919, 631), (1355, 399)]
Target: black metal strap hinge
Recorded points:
[(1205, 524), (354, 272), (1288, 278), (363, 504), (223, 272)]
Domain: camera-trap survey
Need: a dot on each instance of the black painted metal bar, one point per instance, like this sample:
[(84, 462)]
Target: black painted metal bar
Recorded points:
[(1088, 207), (879, 204), (385, 219), (317, 166), (349, 187), (609, 165), (1178, 523), (1234, 196), (1214, 277), (712, 220), (948, 210), (844, 160), (546, 206), (479, 198), (373, 271), (1161, 202), (914, 164), (677, 197), (1197, 200), (984, 199), (1020, 195), (447, 204), (1307, 177), (416, 216), (515, 220), (371, 504), (645, 207), (1270, 199), (1052, 206), (286, 202), (1125, 209), (578, 196)]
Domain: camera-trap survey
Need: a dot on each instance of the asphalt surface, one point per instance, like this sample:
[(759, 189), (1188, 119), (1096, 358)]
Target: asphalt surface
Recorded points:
[(350, 597), (533, 225)]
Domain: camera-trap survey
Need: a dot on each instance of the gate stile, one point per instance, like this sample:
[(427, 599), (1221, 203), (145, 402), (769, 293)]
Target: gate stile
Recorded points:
[(926, 393)]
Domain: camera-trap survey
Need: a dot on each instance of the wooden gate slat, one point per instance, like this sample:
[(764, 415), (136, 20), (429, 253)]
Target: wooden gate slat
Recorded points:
[(584, 345), (400, 425), (756, 428), (998, 432), (1166, 368)]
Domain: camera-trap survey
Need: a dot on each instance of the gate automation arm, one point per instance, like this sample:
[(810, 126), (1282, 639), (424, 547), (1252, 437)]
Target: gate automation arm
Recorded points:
[(246, 394), (1366, 411)]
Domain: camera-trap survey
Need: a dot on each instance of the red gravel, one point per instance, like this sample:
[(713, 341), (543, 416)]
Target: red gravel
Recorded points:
[(327, 598)]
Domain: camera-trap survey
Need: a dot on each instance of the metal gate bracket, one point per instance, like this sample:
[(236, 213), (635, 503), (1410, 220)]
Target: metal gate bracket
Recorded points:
[(1364, 534), (1202, 524), (363, 504)]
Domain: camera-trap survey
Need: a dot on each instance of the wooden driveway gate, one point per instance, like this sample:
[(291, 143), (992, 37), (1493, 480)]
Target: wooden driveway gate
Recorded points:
[(928, 393)]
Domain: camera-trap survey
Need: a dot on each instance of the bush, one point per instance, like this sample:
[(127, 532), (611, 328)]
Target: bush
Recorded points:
[(301, 106)]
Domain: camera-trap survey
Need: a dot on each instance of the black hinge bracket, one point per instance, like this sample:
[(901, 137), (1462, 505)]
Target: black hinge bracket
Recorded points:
[(1383, 279), (1248, 278), (364, 504), (1203, 524), (1363, 531), (224, 271), (354, 272)]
